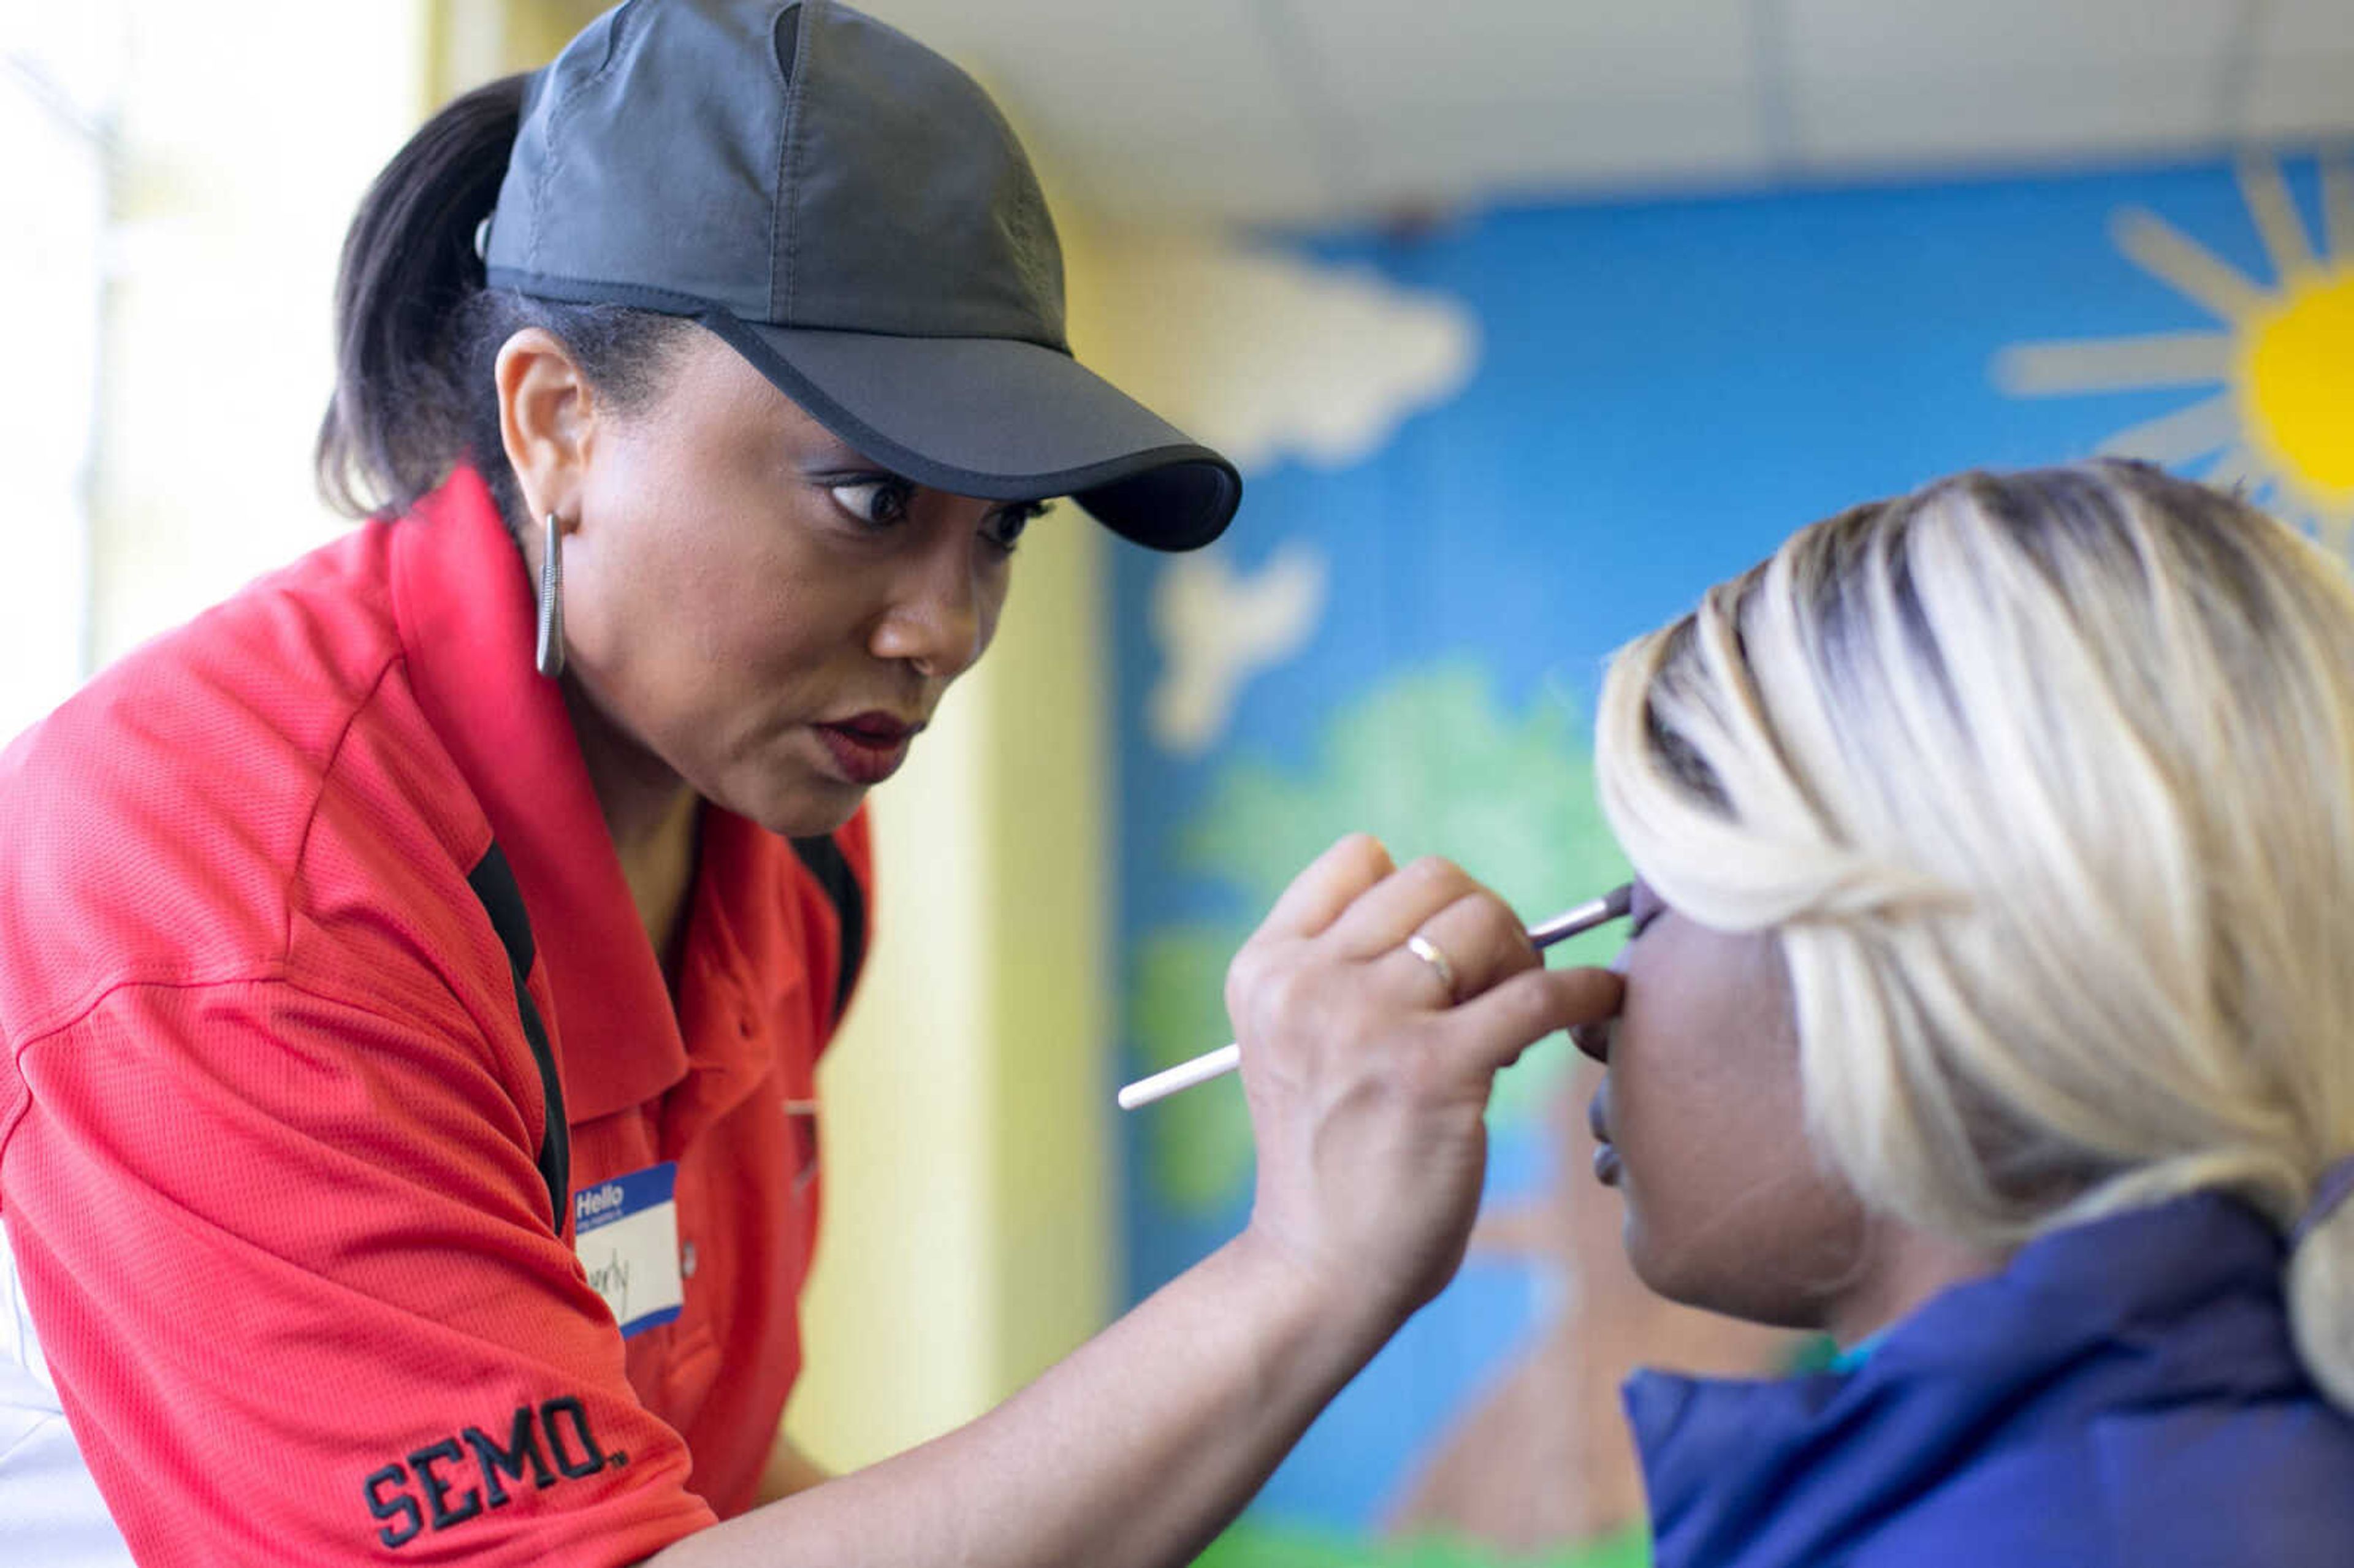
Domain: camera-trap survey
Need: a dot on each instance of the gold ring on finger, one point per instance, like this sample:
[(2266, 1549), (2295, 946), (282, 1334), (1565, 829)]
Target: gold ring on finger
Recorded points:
[(1428, 951)]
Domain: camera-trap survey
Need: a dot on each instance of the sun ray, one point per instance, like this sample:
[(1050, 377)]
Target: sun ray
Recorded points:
[(2265, 191), (2172, 256), (2114, 363), (2338, 208), (2187, 433), (2274, 426)]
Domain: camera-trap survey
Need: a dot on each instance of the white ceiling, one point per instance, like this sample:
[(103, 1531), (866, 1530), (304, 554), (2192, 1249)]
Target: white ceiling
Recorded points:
[(1290, 111)]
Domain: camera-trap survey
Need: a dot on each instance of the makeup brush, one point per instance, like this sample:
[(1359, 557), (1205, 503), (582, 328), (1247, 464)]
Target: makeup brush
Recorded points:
[(1611, 906)]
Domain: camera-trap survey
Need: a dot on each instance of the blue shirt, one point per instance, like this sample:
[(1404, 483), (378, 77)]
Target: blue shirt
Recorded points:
[(2123, 1393)]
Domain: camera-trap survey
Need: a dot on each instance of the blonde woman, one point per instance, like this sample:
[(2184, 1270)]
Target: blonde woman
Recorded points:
[(1991, 1006)]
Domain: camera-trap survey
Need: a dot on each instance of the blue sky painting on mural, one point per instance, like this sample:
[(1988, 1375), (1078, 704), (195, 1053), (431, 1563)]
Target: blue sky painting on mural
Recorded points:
[(1663, 391)]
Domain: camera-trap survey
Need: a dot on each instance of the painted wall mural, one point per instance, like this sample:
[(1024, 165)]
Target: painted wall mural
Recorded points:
[(1591, 414), (2276, 421)]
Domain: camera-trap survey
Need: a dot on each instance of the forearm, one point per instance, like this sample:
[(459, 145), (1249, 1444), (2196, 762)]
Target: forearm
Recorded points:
[(1132, 1452)]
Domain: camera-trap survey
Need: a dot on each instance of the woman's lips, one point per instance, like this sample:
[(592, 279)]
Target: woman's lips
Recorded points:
[(1606, 1164), (868, 748)]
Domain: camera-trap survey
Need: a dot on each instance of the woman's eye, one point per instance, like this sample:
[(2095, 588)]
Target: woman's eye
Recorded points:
[(879, 502), (1006, 526)]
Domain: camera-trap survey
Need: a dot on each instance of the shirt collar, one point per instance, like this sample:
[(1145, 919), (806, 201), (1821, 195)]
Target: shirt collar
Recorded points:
[(2180, 1301), (467, 630)]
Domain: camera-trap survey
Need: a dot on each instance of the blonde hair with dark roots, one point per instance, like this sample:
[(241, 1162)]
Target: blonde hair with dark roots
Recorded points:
[(2045, 782)]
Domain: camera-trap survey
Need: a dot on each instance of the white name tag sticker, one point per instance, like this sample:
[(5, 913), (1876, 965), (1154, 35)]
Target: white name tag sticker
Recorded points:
[(626, 1233)]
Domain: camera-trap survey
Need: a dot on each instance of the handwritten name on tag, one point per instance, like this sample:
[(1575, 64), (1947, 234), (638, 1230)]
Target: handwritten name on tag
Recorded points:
[(626, 1233)]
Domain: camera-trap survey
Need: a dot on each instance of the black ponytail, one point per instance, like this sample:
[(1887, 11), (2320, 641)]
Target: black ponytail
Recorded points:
[(398, 421), (418, 332)]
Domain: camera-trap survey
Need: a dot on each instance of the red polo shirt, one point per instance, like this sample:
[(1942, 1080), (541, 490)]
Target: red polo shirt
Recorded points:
[(276, 1160)]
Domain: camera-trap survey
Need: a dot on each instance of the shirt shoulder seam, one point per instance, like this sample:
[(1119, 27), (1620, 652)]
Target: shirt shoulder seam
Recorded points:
[(327, 765)]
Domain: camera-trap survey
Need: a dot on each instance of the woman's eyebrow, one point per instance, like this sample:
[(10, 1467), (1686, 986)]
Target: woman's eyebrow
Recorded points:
[(843, 461), (1643, 900), (824, 452)]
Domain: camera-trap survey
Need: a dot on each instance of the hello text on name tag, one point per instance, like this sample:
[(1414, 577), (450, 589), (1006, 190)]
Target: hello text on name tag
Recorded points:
[(626, 1233)]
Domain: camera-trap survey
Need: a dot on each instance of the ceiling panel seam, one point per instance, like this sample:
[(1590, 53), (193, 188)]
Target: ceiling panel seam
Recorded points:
[(1773, 70), (2236, 72), (1331, 139)]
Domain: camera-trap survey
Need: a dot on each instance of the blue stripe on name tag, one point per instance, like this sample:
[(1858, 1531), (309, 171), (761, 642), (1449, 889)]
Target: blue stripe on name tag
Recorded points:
[(606, 1202), (644, 1321)]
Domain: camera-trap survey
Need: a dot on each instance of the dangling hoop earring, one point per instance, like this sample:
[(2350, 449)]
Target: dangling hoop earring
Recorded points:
[(551, 600)]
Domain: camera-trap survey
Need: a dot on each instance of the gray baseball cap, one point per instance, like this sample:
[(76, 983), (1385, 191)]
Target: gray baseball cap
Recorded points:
[(851, 212)]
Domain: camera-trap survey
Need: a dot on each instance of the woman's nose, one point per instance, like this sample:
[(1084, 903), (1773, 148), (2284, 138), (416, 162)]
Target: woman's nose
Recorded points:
[(1594, 1039), (938, 622)]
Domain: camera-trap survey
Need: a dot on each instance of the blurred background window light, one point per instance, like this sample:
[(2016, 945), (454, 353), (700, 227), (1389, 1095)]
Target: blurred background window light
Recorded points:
[(60, 69)]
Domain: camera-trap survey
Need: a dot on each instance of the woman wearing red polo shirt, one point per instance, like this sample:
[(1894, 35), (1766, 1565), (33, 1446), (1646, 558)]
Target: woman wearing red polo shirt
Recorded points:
[(411, 972)]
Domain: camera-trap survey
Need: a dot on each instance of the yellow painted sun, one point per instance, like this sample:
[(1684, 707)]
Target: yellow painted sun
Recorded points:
[(2280, 423)]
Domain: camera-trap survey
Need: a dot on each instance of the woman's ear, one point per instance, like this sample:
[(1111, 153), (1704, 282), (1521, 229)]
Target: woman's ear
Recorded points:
[(547, 419)]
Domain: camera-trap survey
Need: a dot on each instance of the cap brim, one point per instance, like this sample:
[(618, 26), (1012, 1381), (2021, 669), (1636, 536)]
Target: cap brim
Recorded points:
[(1001, 419)]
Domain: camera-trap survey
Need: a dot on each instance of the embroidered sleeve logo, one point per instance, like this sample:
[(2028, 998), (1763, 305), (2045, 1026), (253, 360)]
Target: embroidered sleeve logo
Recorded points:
[(450, 1482)]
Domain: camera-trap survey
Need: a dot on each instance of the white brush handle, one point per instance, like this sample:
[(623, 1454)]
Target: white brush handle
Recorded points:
[(1183, 1075)]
